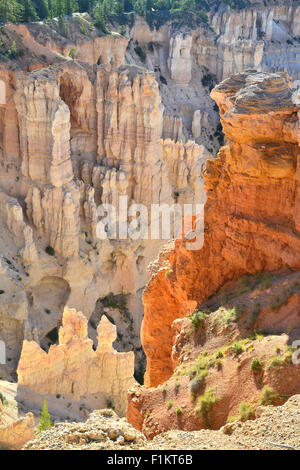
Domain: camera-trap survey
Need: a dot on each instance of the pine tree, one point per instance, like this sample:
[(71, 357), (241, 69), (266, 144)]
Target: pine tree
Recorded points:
[(10, 11), (45, 421), (60, 8), (140, 7), (29, 13), (42, 9), (100, 16), (69, 7)]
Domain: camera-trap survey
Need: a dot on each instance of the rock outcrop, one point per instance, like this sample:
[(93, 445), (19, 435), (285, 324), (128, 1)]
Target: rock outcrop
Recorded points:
[(251, 213), (15, 435), (73, 371)]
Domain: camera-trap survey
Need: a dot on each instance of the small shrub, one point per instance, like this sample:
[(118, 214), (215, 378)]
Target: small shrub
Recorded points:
[(226, 316), (268, 396), (205, 404), (3, 399), (256, 365), (83, 29), (198, 318), (246, 411), (219, 355), (178, 411), (73, 53), (278, 362), (237, 347), (50, 251), (45, 421), (110, 404), (169, 404), (169, 272), (122, 30)]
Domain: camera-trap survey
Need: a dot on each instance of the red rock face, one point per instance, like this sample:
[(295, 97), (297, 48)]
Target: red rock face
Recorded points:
[(252, 214)]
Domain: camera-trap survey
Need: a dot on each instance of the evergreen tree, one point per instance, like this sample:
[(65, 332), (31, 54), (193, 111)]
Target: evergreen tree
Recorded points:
[(10, 11), (100, 16), (140, 7), (68, 8), (60, 8), (45, 421), (42, 9), (29, 13)]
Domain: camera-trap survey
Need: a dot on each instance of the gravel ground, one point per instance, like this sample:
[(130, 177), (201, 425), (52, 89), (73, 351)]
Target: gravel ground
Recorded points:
[(275, 428)]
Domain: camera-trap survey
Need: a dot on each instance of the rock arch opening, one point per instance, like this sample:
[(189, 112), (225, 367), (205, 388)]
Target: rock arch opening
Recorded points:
[(47, 300), (115, 308)]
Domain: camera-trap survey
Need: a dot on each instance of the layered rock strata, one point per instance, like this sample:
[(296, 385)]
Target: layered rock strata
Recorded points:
[(251, 213)]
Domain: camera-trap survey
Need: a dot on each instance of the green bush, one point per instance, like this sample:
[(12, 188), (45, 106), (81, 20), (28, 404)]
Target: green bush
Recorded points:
[(198, 318), (73, 53), (50, 251), (256, 365), (268, 396), (169, 404), (246, 411), (205, 405), (45, 421)]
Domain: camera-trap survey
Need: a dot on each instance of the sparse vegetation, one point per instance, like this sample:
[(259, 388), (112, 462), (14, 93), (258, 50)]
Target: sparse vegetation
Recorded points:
[(226, 316), (198, 318), (73, 53), (3, 399), (169, 404), (256, 365), (169, 272), (268, 396), (118, 301), (277, 362), (50, 251), (110, 404), (205, 404), (246, 411), (179, 411)]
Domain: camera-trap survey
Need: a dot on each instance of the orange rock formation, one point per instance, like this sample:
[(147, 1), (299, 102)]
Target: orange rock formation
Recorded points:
[(251, 215)]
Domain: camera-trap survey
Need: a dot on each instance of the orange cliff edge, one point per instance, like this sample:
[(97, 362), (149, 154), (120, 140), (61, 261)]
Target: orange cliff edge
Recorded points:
[(252, 217)]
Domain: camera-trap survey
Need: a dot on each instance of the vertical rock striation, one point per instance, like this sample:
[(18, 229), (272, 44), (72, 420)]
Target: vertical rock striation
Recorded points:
[(251, 213)]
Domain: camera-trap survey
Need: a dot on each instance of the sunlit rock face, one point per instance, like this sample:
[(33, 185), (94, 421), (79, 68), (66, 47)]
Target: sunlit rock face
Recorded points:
[(251, 213), (73, 371), (14, 435), (76, 134), (264, 38)]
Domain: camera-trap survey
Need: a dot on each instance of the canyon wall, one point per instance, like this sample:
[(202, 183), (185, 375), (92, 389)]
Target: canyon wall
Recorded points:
[(76, 134), (129, 116), (251, 214)]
